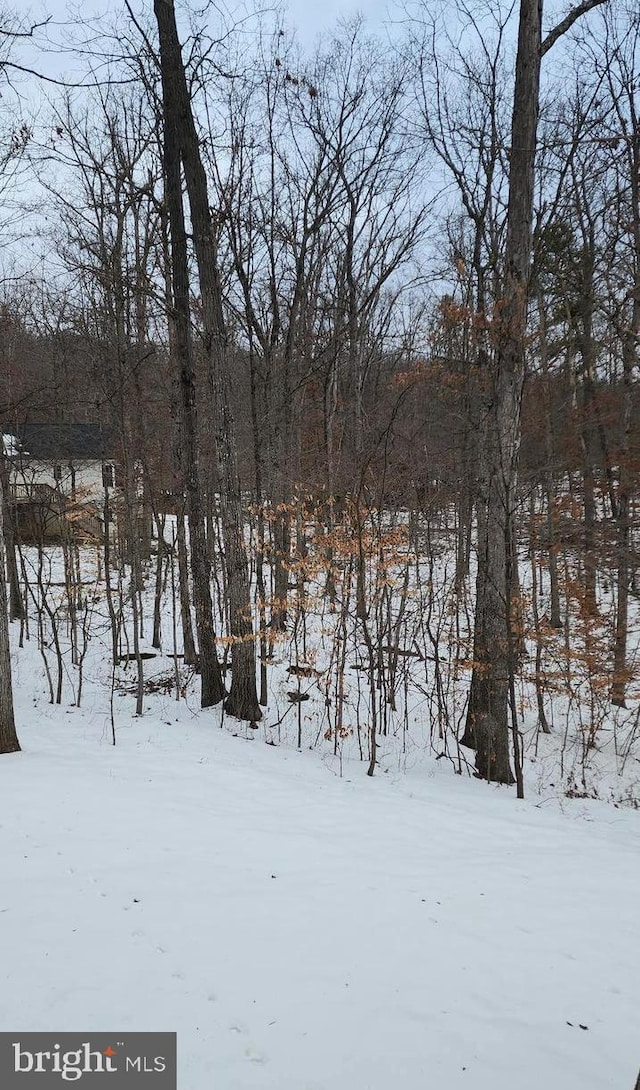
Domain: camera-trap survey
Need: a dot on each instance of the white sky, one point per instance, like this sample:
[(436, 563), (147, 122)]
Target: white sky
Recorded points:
[(313, 16), (67, 18), (310, 17)]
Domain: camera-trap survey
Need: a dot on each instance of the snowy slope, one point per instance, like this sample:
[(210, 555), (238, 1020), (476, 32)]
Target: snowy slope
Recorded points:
[(306, 932)]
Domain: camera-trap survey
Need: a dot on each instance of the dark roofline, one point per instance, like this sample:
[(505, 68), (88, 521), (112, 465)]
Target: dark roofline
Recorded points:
[(64, 442)]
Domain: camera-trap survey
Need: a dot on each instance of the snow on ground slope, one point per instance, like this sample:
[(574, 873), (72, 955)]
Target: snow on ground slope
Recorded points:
[(305, 932)]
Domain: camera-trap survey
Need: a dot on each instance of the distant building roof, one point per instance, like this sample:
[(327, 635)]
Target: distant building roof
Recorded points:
[(60, 442)]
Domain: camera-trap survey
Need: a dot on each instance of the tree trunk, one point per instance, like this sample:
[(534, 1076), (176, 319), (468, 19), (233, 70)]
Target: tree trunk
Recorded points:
[(493, 640), (16, 604), (630, 348), (156, 639), (8, 738), (623, 505), (188, 642), (259, 495), (493, 664), (548, 482), (588, 356), (177, 463), (212, 687), (243, 700)]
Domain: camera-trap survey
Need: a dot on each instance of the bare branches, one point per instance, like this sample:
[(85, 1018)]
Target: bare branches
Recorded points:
[(24, 33), (565, 24), (70, 84), (141, 31)]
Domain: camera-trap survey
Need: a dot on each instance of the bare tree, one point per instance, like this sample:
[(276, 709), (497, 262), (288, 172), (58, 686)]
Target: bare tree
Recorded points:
[(242, 701), (8, 738), (492, 681), (18, 137), (619, 66)]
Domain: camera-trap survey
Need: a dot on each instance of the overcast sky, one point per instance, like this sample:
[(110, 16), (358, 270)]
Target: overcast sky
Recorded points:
[(310, 17), (313, 16)]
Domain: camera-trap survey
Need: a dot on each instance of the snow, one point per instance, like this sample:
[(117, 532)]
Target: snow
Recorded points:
[(306, 931), (10, 445)]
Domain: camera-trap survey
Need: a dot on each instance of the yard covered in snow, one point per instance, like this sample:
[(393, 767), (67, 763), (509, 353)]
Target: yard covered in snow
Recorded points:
[(306, 931)]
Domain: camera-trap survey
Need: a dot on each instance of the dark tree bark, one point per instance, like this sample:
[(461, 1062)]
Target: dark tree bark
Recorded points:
[(242, 701), (180, 543), (8, 738), (630, 335), (494, 642), (548, 484), (156, 639), (188, 642), (587, 348), (212, 686), (16, 604), (493, 666), (623, 505)]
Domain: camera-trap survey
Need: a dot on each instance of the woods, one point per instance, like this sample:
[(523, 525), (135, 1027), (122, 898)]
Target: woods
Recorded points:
[(360, 326)]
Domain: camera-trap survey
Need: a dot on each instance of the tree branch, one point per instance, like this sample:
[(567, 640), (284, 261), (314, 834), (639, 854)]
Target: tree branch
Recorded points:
[(565, 24), (62, 82), (141, 32), (25, 33)]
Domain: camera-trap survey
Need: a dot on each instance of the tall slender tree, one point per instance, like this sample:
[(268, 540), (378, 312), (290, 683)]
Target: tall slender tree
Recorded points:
[(242, 701), (8, 737), (494, 637), (212, 686)]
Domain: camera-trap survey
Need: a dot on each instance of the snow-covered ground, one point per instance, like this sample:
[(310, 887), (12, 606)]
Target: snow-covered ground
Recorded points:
[(306, 931)]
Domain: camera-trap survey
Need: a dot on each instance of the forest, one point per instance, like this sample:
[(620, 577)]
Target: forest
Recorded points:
[(357, 325)]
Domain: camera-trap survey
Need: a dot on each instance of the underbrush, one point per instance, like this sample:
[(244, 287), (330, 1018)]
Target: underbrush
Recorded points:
[(374, 664)]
